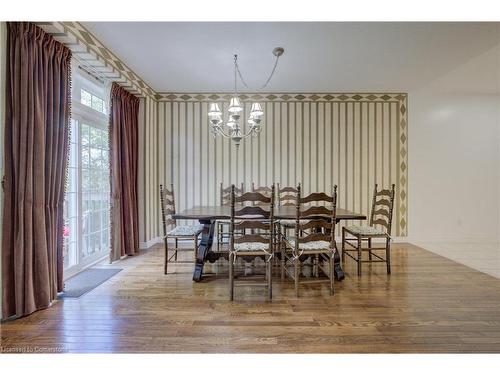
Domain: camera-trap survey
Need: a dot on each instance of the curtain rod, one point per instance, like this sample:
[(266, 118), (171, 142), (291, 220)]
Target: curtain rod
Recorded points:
[(91, 71)]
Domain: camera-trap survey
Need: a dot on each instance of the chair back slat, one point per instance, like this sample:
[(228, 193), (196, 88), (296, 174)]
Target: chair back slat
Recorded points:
[(287, 196), (382, 222), (383, 202), (288, 189), (251, 238), (315, 224), (384, 192), (246, 212), (168, 192), (264, 190), (382, 208), (225, 194), (252, 197), (316, 197), (169, 211), (170, 222), (250, 224), (315, 237), (315, 211), (382, 212), (167, 204)]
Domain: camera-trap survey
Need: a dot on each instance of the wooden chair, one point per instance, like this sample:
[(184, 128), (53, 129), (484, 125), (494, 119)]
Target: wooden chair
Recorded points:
[(225, 200), (252, 211), (314, 238), (177, 232), (379, 227), (287, 196)]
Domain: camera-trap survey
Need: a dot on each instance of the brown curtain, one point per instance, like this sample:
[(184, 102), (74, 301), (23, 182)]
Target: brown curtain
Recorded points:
[(36, 146), (123, 147)]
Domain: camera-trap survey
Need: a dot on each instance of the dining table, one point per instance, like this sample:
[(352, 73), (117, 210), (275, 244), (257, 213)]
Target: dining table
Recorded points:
[(208, 215)]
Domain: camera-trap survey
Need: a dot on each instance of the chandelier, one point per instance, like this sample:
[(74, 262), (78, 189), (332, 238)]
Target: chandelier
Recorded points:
[(232, 128)]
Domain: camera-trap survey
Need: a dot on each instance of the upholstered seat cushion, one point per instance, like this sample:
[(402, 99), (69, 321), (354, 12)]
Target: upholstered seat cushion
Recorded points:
[(312, 245), (291, 223), (365, 230), (186, 230), (251, 246)]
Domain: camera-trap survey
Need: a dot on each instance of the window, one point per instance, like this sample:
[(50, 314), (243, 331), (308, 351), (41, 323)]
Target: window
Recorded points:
[(94, 189), (87, 201), (92, 101)]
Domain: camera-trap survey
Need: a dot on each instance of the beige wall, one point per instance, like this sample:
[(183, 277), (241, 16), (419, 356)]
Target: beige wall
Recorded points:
[(352, 140)]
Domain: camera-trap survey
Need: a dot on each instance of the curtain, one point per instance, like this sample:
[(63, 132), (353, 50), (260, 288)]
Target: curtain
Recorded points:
[(123, 151), (37, 116)]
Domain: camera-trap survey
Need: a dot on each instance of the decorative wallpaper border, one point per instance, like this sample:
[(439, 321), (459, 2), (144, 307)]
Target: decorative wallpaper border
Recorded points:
[(97, 56), (278, 97)]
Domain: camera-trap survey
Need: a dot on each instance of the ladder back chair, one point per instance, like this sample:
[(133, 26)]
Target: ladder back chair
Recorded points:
[(316, 216), (251, 210), (379, 227), (225, 200), (176, 232), (287, 196)]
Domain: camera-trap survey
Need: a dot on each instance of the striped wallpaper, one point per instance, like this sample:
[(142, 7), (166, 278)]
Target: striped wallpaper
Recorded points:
[(148, 170), (352, 140)]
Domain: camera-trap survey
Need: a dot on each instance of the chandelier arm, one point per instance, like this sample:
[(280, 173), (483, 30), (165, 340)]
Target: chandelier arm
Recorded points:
[(249, 132), (221, 131), (244, 82)]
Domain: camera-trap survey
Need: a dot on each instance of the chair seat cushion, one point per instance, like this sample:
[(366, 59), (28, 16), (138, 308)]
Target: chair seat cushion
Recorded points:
[(365, 230), (291, 222), (186, 230), (251, 246), (312, 245)]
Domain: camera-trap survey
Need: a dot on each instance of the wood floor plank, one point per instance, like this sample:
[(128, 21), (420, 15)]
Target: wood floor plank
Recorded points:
[(428, 304)]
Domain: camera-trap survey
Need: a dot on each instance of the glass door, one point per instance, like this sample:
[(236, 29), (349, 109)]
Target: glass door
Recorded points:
[(95, 193), (87, 202)]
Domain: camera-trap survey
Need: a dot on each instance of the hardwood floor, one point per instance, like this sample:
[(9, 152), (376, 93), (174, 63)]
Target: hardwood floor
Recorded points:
[(428, 304)]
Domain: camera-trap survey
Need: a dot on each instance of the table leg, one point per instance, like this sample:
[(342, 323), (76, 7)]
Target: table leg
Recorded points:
[(207, 237), (337, 269)]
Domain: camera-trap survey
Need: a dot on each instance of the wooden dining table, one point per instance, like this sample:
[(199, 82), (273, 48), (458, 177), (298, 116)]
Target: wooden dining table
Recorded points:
[(208, 215)]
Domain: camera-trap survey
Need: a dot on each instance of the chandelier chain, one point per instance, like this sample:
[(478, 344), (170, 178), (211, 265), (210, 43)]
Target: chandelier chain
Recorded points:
[(237, 68)]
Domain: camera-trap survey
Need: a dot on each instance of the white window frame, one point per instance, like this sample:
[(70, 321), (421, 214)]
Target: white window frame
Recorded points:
[(87, 115)]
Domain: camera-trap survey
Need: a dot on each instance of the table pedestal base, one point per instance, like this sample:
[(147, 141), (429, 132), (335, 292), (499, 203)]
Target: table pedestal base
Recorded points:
[(207, 238)]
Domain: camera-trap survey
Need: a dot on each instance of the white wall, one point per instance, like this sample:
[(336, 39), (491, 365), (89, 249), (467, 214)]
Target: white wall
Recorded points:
[(454, 154), (454, 163)]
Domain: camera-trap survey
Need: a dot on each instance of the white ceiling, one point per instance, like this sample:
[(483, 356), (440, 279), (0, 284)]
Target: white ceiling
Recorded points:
[(319, 57)]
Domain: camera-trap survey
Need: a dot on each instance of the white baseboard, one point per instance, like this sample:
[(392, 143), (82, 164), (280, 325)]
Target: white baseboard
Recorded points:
[(457, 239), (150, 243)]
